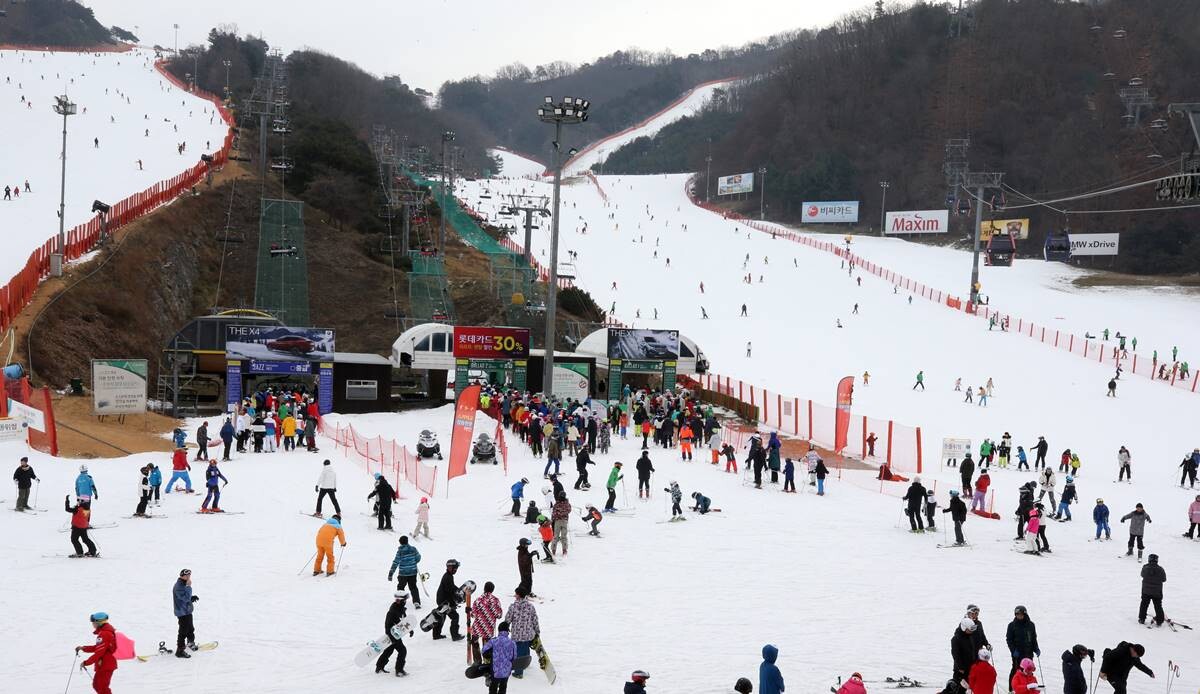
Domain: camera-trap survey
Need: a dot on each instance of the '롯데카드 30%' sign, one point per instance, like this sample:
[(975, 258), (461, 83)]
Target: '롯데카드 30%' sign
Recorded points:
[(488, 342)]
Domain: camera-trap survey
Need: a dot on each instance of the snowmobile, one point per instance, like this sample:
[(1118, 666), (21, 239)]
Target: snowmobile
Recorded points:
[(427, 445), (484, 451)]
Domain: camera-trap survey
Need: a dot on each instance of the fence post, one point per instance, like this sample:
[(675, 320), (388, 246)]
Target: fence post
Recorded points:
[(920, 454), (796, 412), (864, 438), (889, 449), (1085, 348), (810, 429), (779, 411), (1071, 345)]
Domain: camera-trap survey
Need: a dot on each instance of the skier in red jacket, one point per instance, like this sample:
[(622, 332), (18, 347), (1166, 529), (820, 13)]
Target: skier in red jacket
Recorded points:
[(1024, 681), (103, 653)]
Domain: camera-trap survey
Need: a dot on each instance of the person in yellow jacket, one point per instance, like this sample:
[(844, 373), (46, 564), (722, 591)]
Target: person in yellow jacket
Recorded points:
[(331, 529), (289, 432)]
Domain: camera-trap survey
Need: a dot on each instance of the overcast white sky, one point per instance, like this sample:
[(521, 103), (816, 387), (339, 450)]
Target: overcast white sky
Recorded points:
[(404, 37)]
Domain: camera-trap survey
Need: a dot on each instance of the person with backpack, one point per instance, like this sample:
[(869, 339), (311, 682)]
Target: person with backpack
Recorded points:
[(1116, 664)]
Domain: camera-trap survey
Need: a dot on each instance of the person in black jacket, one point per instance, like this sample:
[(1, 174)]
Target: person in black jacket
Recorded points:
[(1072, 666), (1153, 578), (581, 462), (962, 648), (979, 639), (967, 469), (525, 565), (644, 468), (447, 598), (958, 513), (24, 477), (915, 496), (1021, 639), (1040, 448), (395, 613), (385, 494), (1023, 508), (1117, 663)]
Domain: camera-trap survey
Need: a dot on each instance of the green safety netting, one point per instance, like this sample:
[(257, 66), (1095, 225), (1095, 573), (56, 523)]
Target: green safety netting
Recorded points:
[(281, 284), (428, 292)]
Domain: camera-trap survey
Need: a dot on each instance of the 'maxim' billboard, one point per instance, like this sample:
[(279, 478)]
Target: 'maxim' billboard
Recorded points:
[(844, 211), (737, 183), (917, 222), (1094, 244), (278, 343), (632, 343)]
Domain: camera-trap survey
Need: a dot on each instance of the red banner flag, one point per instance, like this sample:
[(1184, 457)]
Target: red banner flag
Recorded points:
[(463, 431), (845, 396)]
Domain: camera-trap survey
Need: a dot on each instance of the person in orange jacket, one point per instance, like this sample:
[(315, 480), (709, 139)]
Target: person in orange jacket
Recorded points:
[(685, 442), (982, 677), (1024, 681), (331, 529), (103, 653)]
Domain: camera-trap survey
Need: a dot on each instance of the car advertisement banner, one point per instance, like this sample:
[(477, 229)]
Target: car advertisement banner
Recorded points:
[(917, 222), (119, 386), (278, 343), (845, 211), (489, 342), (1094, 244), (737, 183), (633, 343), (1014, 227)]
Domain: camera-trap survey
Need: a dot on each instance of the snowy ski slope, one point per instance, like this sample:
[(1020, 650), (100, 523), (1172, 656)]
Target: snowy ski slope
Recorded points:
[(515, 166), (120, 96)]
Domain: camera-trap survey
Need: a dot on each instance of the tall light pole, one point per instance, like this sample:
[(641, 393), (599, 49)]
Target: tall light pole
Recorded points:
[(176, 39), (571, 111), (64, 107), (762, 192), (707, 174), (447, 136), (883, 205), (227, 63), (195, 69)]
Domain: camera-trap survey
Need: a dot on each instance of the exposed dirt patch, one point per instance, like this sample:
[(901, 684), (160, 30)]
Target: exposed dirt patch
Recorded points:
[(1117, 279), (83, 435)]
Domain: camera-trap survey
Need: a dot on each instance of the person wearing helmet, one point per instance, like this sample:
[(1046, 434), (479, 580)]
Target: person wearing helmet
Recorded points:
[(644, 469), (184, 599), (958, 514), (518, 493), (676, 497), (982, 676), (637, 682), (979, 638), (447, 603), (1074, 681), (546, 532), (1153, 578), (962, 647), (384, 494), (1100, 518), (394, 628), (531, 513), (594, 517), (525, 564), (103, 653), (1023, 680), (405, 564), (85, 486), (1021, 639), (325, 536), (703, 504), (1064, 502), (422, 514), (613, 477)]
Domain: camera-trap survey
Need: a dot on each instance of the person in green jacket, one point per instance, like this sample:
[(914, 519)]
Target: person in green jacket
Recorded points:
[(613, 477), (920, 380), (985, 451)]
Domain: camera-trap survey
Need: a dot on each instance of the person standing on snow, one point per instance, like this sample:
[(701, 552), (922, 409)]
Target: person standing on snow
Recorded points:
[(560, 515), (327, 486), (594, 517), (447, 599), (554, 455), (201, 442), (184, 600), (915, 497), (385, 495), (525, 565), (1138, 518), (1040, 448), (613, 477), (1021, 638), (85, 486), (103, 653), (325, 535), (422, 526), (1064, 503), (1023, 680), (227, 433), (81, 517), (1046, 482), (774, 445), (212, 478), (394, 629), (981, 487), (518, 493), (522, 617), (930, 510), (1190, 464), (581, 463), (958, 513), (1193, 518), (179, 470), (966, 469), (1123, 463), (676, 497), (1153, 578), (144, 491), (770, 680), (920, 380), (404, 564), (1117, 662), (1072, 666), (24, 476), (502, 651), (1100, 518), (981, 679), (644, 468), (485, 612)]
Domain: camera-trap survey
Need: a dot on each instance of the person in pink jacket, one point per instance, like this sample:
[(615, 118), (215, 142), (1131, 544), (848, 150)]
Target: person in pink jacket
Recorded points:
[(422, 518), (854, 685), (1031, 531), (1193, 517)]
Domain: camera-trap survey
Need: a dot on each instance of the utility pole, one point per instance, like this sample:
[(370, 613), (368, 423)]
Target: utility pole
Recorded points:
[(883, 206), (64, 107), (447, 136), (980, 182), (708, 169), (762, 192)]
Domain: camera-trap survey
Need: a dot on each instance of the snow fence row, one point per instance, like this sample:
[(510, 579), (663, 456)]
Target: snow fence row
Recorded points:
[(385, 456)]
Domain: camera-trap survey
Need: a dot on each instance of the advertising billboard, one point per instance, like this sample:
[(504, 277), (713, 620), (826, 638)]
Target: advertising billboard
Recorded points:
[(278, 343), (633, 343), (119, 386), (1015, 227), (845, 211), (737, 183), (569, 383), (1094, 244), (490, 342), (917, 222)]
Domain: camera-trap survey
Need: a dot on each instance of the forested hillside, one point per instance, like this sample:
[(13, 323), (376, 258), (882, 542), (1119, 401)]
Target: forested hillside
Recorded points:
[(54, 23)]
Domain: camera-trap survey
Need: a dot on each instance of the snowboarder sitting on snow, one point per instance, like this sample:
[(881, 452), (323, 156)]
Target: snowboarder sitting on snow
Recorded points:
[(594, 517), (703, 503), (531, 513), (676, 497)]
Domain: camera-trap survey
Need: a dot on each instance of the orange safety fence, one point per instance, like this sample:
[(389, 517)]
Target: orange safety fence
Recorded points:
[(599, 188), (19, 390), (1168, 373), (83, 238), (385, 456)]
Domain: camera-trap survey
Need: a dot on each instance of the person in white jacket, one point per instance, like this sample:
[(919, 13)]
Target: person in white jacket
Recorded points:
[(327, 485), (1046, 483)]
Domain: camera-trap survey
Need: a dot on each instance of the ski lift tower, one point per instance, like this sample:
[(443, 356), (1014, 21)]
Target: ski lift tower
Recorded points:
[(979, 181), (1135, 97), (1192, 111), (529, 205)]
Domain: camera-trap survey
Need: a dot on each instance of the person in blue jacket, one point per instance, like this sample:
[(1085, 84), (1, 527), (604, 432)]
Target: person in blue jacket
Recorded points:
[(789, 476), (179, 438), (770, 680), (703, 503), (184, 599), (518, 493), (155, 483), (212, 478), (405, 564), (227, 432), (85, 486), (1100, 518)]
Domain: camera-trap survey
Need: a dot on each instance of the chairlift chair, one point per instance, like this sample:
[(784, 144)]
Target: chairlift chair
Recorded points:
[(1119, 34), (282, 164), (1110, 75), (1057, 247), (1001, 248), (1136, 81), (1158, 124)]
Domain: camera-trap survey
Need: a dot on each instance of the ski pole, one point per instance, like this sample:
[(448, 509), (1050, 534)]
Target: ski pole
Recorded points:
[(1092, 675), (1039, 662), (624, 494), (314, 554), (36, 489), (342, 551), (71, 673)]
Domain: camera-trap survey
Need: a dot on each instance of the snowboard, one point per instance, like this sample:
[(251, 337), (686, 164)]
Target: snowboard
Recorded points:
[(163, 650), (543, 659), (441, 611), (376, 646)]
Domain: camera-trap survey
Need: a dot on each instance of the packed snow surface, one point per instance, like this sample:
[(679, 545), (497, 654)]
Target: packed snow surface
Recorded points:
[(516, 166), (124, 104)]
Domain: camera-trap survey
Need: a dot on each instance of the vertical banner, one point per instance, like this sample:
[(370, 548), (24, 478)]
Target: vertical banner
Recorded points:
[(520, 371), (669, 376), (845, 396), (614, 379), (462, 369), (462, 432), (325, 388), (233, 384)]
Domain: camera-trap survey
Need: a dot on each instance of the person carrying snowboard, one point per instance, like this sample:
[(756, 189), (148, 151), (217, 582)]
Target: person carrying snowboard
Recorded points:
[(394, 628), (523, 619), (447, 603), (1116, 664), (594, 517), (184, 601), (103, 653), (213, 478), (644, 468), (915, 498), (81, 519), (958, 514), (518, 493), (503, 651), (332, 528), (384, 495), (1138, 518), (327, 486), (613, 477), (404, 565), (24, 476)]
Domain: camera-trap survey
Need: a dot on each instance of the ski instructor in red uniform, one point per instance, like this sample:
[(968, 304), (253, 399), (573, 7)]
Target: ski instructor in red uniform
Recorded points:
[(103, 653)]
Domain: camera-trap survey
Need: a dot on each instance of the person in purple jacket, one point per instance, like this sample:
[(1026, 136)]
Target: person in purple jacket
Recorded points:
[(503, 650)]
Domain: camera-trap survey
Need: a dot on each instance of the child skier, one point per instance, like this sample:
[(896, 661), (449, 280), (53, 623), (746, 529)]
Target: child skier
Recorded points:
[(1100, 518), (422, 514), (1041, 531), (730, 458), (1064, 503), (930, 509), (703, 503), (789, 476), (1022, 461), (1032, 526), (594, 517), (547, 534), (676, 497)]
